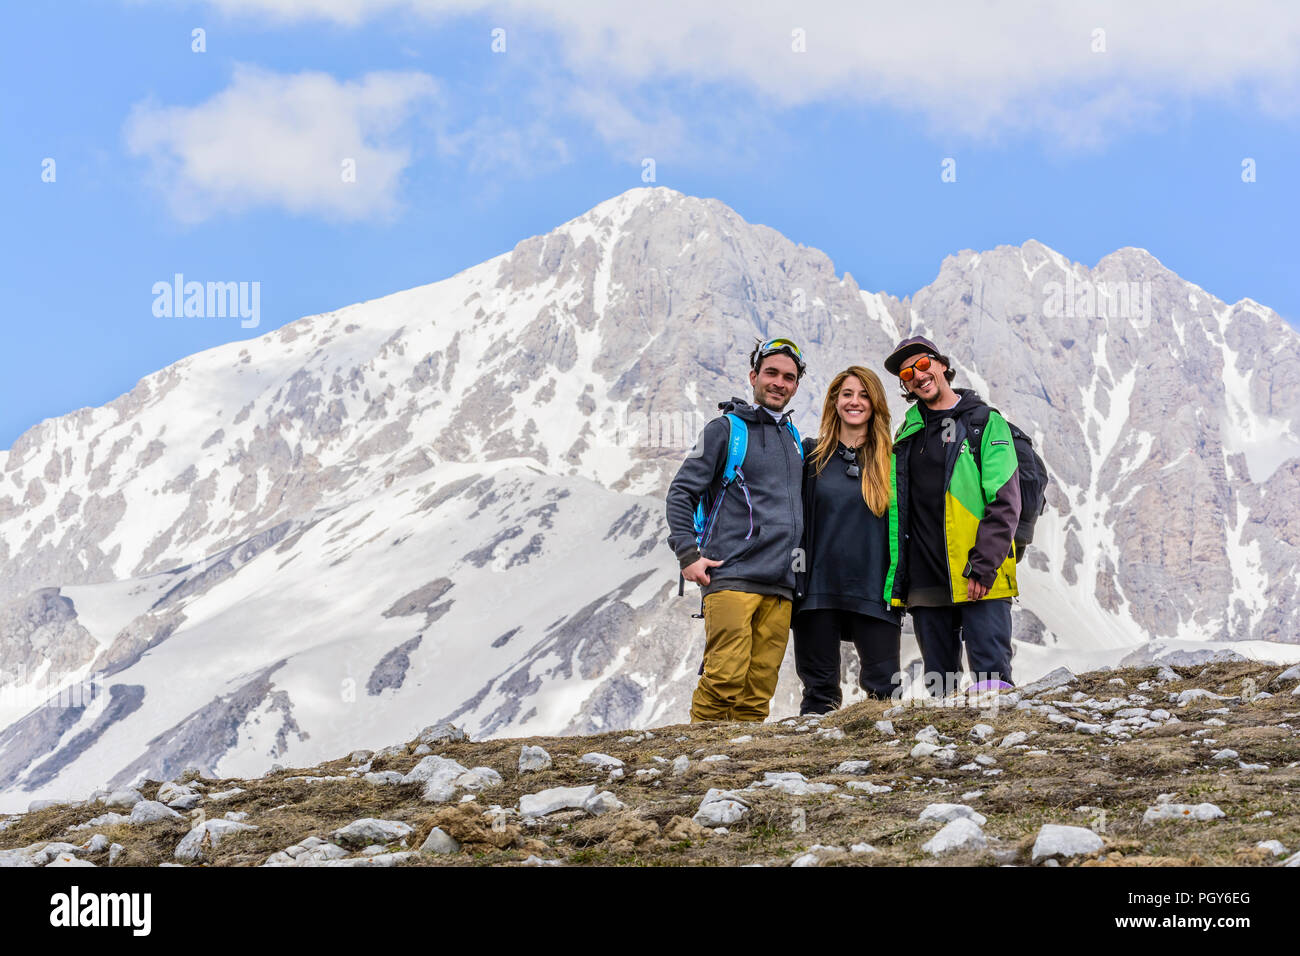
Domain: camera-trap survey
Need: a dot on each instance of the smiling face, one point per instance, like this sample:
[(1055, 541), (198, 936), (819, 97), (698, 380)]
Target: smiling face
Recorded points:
[(928, 384), (775, 382), (852, 403)]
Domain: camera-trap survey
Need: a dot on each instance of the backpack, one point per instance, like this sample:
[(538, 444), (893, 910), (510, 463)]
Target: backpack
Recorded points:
[(706, 510), (1031, 469)]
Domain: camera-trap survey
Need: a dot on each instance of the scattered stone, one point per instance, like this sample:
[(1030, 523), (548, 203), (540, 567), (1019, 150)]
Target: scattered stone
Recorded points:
[(602, 803), (204, 837), (862, 848), (1014, 738), (715, 758), (924, 750), (959, 834), (681, 764), (853, 766), (123, 798), (1057, 840), (1272, 846), (742, 739), (478, 779), (718, 808), (114, 851), (886, 727), (1182, 811), (868, 787), (603, 761), (535, 860), (151, 811), (1052, 680), (438, 841), (982, 731), (947, 812), (236, 791), (441, 733), (553, 799), (383, 778), (368, 830), (532, 759)]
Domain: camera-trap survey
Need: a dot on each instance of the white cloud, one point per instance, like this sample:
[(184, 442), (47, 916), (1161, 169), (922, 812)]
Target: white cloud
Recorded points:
[(974, 69), (270, 139)]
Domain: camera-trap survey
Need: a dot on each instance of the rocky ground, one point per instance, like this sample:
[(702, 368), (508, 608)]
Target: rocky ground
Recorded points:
[(1140, 767)]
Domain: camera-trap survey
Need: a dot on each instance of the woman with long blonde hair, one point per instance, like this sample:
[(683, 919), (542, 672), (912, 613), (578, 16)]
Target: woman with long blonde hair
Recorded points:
[(839, 592)]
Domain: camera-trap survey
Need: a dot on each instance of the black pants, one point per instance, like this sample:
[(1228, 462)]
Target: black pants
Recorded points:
[(817, 637), (984, 627)]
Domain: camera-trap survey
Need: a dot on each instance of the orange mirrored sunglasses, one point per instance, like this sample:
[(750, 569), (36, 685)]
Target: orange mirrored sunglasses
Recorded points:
[(921, 364)]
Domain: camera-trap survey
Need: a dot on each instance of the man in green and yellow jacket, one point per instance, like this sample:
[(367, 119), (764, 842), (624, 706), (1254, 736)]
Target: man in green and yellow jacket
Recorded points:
[(956, 497)]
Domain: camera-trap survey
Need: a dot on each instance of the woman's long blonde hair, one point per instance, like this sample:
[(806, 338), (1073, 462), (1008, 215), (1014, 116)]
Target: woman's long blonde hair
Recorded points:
[(873, 457)]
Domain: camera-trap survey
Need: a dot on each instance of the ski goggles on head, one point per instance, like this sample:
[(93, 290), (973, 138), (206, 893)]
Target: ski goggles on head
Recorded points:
[(920, 365), (779, 346)]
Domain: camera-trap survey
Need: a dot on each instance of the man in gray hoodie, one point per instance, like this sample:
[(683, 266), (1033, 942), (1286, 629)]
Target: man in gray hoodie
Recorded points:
[(744, 561)]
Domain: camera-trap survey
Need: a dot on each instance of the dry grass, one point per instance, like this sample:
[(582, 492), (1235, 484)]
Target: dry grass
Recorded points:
[(1121, 778)]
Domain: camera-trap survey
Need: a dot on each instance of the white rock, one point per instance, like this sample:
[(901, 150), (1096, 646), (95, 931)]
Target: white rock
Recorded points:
[(103, 820), (602, 803), (830, 733), (972, 794), (603, 761), (553, 799), (715, 758), (1262, 814), (1273, 846), (1057, 840), (236, 791), (1194, 694), (982, 731), (360, 756), (535, 860), (719, 812), (807, 859), (1057, 678), (1011, 739), (1182, 811), (1224, 754), (171, 790), (383, 778), (853, 766), (947, 812), (67, 859), (924, 750), (532, 759), (862, 848), (422, 750), (44, 805), (886, 727), (478, 779), (649, 774), (867, 787), (96, 844), (960, 834), (206, 836), (123, 798), (742, 739), (681, 764), (1083, 728), (441, 733), (151, 811), (929, 735), (114, 851), (368, 830), (438, 841)]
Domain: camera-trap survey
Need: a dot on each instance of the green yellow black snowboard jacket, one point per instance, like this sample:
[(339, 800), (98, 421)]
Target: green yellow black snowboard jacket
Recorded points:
[(981, 508)]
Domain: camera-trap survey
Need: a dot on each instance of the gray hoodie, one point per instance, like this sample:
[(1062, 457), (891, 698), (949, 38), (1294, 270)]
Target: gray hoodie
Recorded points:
[(773, 471)]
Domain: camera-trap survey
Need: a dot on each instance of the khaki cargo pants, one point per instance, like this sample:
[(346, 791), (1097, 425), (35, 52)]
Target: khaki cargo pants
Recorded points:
[(746, 638)]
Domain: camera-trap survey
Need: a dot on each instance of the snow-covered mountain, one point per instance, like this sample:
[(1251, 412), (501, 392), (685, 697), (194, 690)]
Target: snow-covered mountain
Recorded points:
[(447, 503)]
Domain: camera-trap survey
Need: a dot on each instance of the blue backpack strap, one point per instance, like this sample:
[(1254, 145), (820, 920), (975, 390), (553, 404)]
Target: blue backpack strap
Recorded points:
[(737, 446), (798, 442)]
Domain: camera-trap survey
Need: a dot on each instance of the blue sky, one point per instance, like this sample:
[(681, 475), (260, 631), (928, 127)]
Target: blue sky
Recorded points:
[(222, 165)]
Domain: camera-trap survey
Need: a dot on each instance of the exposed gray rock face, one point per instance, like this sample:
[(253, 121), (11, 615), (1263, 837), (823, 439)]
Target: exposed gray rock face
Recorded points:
[(391, 669)]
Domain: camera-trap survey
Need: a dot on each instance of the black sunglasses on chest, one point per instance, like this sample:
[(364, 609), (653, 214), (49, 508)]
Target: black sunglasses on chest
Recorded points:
[(851, 456)]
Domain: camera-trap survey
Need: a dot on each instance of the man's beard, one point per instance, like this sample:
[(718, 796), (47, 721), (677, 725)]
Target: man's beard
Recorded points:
[(762, 398)]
